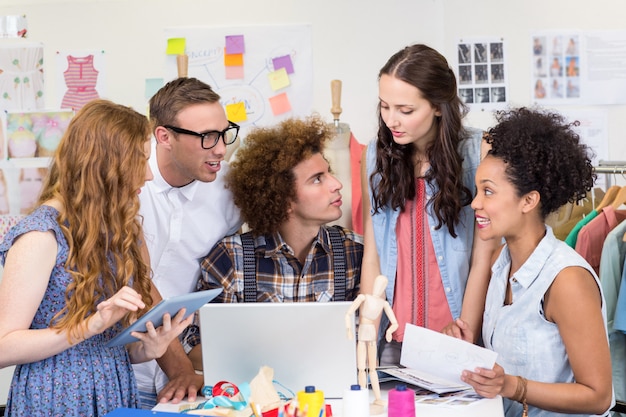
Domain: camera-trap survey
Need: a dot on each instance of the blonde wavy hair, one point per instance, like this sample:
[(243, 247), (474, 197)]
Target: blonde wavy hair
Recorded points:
[(96, 171)]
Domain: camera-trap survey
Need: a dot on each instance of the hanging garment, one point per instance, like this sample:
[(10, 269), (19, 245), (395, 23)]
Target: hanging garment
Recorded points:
[(611, 278), (591, 237), (80, 78)]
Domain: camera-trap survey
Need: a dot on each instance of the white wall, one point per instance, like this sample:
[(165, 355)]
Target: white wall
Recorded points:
[(352, 39)]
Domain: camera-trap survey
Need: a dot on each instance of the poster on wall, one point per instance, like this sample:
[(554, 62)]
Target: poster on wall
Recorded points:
[(21, 76), (27, 141), (578, 67), (263, 74), (481, 72), (81, 77), (556, 68)]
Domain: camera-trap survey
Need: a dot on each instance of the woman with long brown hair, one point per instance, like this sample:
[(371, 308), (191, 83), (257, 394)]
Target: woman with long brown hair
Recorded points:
[(74, 274)]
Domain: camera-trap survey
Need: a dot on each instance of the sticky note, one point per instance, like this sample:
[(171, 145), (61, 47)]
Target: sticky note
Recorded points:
[(152, 86), (280, 104), (278, 79), (233, 60), (234, 73), (236, 112), (235, 44), (283, 62), (175, 46)]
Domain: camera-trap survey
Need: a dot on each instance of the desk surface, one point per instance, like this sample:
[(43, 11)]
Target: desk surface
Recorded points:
[(483, 408)]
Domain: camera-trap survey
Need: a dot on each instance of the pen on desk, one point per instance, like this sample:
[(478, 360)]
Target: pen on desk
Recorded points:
[(281, 411), (255, 410)]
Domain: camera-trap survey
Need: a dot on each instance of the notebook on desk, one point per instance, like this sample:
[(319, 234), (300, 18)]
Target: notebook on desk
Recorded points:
[(304, 343)]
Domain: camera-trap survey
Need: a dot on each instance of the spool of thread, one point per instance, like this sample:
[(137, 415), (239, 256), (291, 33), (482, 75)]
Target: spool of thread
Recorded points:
[(312, 401), (401, 402), (356, 402)]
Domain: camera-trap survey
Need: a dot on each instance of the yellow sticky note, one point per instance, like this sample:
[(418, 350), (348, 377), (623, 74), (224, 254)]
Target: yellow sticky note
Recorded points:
[(278, 79), (233, 60), (175, 46), (280, 104), (236, 112)]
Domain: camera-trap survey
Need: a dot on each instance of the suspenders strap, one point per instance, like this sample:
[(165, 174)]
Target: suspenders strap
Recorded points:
[(249, 268), (339, 266), (339, 263)]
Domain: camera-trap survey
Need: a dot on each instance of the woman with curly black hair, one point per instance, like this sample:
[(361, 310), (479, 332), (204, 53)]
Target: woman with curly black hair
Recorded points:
[(545, 313)]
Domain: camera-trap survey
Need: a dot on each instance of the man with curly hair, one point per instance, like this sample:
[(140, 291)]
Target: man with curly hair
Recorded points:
[(287, 194)]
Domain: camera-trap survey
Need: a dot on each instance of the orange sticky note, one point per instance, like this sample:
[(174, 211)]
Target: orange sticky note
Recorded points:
[(175, 46), (278, 79), (280, 104), (233, 60), (236, 112)]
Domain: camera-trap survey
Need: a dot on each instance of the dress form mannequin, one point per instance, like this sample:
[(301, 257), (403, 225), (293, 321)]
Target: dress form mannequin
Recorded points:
[(338, 154)]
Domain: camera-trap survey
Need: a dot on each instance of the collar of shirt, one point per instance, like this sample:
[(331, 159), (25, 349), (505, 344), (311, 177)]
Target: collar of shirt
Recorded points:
[(531, 269), (159, 184), (274, 243)]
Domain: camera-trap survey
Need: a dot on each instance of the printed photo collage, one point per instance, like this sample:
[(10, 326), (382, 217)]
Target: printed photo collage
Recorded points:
[(481, 72)]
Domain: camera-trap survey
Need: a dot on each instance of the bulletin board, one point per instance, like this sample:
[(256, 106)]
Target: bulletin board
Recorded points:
[(264, 74)]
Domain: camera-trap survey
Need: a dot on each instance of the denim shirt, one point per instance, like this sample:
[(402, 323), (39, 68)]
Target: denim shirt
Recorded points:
[(527, 343), (453, 254)]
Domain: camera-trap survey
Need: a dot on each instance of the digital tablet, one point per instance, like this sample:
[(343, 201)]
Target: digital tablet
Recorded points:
[(192, 302)]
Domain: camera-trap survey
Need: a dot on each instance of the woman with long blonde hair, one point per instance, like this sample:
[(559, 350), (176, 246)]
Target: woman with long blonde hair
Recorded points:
[(74, 275)]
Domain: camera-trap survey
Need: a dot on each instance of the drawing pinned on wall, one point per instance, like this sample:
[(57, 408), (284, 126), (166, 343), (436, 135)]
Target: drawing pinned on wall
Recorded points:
[(13, 26), (262, 73), (21, 76), (83, 76), (35, 134), (555, 68), (481, 73)]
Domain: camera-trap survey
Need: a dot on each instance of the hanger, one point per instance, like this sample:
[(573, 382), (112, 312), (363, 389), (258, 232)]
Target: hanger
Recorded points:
[(620, 198), (609, 197)]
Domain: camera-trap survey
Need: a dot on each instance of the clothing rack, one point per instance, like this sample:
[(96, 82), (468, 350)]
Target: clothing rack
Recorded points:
[(610, 167)]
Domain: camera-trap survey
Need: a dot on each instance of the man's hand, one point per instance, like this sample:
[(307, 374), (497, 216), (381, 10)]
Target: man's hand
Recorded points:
[(184, 384)]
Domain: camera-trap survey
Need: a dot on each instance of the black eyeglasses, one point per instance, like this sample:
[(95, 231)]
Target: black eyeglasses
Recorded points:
[(229, 135)]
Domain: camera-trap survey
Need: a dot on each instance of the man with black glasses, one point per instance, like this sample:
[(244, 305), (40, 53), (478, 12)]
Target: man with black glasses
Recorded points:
[(186, 210)]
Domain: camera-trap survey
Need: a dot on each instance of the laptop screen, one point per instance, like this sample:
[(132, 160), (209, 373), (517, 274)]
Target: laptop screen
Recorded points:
[(304, 343)]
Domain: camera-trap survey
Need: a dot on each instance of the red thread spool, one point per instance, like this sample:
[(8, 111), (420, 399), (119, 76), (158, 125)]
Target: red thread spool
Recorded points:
[(401, 402)]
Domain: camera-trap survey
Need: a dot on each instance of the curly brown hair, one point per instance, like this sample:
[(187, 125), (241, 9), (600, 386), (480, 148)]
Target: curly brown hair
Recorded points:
[(262, 179), (428, 71), (542, 152), (96, 171)]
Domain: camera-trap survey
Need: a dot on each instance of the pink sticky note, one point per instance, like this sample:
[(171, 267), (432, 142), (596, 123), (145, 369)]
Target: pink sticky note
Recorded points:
[(280, 104), (235, 44), (283, 62), (234, 73)]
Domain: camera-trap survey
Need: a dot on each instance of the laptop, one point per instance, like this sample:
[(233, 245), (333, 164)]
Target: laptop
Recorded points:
[(304, 343)]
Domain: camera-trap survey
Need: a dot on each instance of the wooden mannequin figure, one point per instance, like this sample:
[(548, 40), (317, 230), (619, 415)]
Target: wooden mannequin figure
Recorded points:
[(371, 308)]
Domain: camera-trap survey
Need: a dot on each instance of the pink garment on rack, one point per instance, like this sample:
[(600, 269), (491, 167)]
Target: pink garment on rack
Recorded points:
[(356, 149), (81, 78), (591, 237)]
